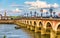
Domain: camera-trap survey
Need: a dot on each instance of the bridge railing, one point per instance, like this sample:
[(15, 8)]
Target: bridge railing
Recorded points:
[(37, 18)]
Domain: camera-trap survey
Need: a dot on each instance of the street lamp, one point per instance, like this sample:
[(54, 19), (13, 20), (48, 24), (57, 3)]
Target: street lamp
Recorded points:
[(31, 13), (27, 14), (51, 10), (41, 11), (35, 14), (54, 13)]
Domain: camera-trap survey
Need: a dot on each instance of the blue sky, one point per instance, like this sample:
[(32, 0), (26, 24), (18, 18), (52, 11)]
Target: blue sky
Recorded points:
[(18, 7)]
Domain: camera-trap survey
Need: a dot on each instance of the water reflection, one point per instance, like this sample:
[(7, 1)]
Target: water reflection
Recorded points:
[(37, 35), (11, 32)]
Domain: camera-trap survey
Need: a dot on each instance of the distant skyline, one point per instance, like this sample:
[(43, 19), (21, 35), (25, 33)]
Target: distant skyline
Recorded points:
[(18, 7)]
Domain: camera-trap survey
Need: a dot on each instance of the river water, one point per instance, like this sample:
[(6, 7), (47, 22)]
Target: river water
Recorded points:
[(9, 31)]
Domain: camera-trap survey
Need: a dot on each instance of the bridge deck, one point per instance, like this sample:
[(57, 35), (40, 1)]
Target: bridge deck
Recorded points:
[(32, 18)]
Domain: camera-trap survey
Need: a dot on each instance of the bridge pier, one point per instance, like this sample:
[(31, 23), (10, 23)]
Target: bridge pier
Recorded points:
[(32, 28), (37, 35), (28, 26), (53, 34), (38, 29), (48, 31), (43, 31)]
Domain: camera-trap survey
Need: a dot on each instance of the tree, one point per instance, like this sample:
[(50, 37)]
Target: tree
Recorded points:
[(4, 36)]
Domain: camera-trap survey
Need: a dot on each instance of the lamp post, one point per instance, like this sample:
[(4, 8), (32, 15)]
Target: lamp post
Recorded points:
[(54, 13), (27, 14), (51, 10), (35, 14), (31, 13), (41, 11)]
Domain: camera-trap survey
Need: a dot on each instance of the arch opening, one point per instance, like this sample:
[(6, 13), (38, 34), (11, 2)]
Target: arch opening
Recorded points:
[(31, 22), (34, 23), (27, 22), (58, 30), (40, 25), (48, 27)]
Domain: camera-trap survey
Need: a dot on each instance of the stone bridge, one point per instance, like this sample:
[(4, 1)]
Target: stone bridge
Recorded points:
[(44, 22), (43, 25)]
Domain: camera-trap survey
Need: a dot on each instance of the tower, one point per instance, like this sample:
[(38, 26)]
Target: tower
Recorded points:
[(5, 14)]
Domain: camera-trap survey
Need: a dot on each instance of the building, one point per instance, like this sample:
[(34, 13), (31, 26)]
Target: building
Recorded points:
[(0, 16), (5, 17)]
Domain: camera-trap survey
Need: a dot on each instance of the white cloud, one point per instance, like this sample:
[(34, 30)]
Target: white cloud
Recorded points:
[(29, 3), (44, 10), (41, 4), (32, 8), (55, 5), (17, 10), (38, 4), (49, 5)]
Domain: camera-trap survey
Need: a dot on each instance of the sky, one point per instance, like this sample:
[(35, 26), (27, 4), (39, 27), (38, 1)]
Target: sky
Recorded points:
[(19, 7)]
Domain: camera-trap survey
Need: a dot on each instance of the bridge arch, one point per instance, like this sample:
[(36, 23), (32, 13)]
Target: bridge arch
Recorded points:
[(40, 24), (57, 27), (30, 22), (48, 27), (35, 23), (48, 24), (27, 22)]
